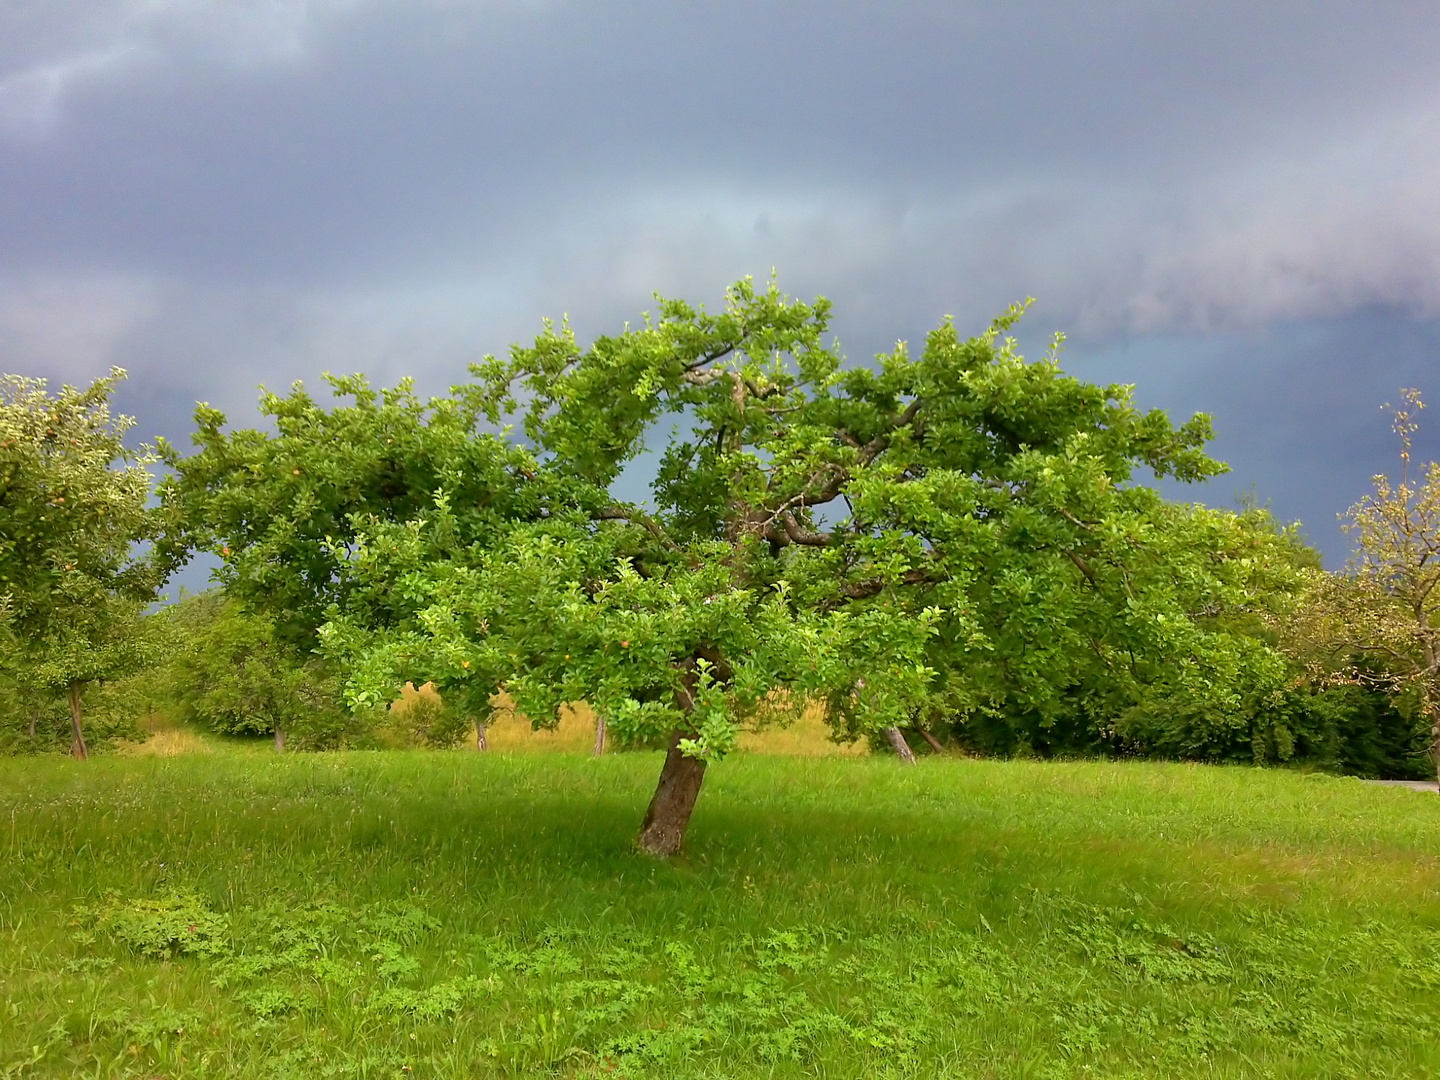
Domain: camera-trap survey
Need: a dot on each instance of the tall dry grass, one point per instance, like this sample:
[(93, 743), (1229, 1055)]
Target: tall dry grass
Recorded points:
[(511, 732)]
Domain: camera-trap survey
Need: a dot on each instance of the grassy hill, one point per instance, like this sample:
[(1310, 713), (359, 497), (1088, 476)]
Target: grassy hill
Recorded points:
[(452, 915)]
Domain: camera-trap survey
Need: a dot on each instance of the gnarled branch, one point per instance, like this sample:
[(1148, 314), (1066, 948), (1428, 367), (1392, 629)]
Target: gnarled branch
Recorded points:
[(799, 534), (618, 512)]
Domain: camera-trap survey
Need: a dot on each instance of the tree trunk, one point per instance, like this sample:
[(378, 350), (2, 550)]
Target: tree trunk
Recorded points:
[(481, 743), (1430, 704), (934, 742), (599, 735), (665, 822), (897, 740), (77, 747), (279, 739), (34, 719), (1435, 745)]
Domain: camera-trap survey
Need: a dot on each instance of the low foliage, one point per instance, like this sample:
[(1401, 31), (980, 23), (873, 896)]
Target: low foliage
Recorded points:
[(233, 674), (38, 721), (422, 718)]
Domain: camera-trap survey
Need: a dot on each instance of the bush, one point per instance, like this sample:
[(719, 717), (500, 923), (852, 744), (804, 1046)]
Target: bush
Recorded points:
[(1380, 738), (233, 675), (1251, 709)]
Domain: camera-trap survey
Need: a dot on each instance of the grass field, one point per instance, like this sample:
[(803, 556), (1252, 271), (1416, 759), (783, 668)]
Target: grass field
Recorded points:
[(459, 914)]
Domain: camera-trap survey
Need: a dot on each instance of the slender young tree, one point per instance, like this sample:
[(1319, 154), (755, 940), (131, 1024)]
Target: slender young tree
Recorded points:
[(1385, 607), (73, 507)]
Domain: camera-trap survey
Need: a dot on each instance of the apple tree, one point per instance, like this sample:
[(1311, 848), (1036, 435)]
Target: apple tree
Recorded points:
[(73, 507), (957, 529)]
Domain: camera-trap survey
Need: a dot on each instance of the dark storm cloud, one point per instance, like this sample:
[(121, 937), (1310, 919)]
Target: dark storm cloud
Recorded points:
[(1210, 197), (398, 131), (1299, 408)]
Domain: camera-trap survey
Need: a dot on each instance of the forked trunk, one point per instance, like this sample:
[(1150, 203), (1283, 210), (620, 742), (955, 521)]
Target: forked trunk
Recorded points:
[(665, 822), (481, 743), (599, 735), (279, 739), (77, 746), (897, 740)]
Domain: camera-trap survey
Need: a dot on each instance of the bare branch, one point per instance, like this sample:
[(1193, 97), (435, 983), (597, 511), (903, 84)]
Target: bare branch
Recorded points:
[(814, 492), (708, 358)]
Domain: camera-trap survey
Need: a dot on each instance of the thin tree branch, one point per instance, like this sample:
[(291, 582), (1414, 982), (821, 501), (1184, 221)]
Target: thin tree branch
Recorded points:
[(1080, 565), (1071, 517), (860, 590), (636, 517), (708, 358)]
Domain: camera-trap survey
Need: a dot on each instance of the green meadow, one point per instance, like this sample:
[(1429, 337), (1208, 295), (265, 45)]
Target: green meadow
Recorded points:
[(444, 914)]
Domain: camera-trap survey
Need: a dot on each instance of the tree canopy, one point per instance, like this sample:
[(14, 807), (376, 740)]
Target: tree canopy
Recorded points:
[(957, 530), (230, 673), (280, 508), (951, 539)]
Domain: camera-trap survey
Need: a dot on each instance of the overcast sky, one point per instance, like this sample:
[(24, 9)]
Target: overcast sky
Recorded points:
[(1234, 206)]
